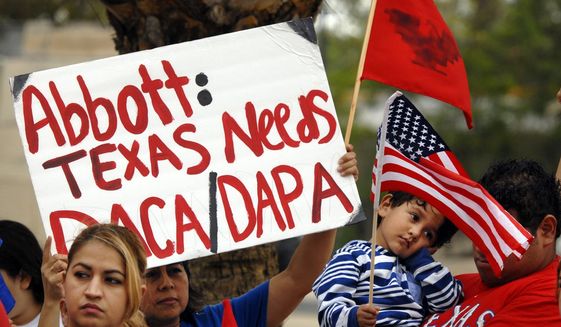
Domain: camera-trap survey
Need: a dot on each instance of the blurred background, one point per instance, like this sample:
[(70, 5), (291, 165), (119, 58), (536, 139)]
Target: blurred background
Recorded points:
[(511, 49)]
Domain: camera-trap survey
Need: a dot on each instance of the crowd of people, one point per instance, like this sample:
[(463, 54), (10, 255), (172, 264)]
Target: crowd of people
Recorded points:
[(103, 281)]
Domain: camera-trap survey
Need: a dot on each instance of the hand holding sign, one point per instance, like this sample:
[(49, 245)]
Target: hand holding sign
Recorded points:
[(53, 270), (348, 164)]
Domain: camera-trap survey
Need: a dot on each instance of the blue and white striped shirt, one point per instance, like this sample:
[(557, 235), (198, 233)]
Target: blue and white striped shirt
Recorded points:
[(405, 290)]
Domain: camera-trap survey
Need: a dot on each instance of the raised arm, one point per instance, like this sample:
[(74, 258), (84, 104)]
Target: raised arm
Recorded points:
[(288, 288), (53, 270)]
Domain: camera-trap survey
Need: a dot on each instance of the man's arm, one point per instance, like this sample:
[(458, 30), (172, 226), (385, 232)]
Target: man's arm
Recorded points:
[(288, 288), (53, 269)]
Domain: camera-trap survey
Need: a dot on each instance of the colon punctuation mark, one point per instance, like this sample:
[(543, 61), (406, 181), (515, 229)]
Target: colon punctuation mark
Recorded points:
[(204, 97)]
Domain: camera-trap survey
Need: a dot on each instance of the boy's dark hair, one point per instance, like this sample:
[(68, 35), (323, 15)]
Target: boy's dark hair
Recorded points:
[(525, 187), (443, 234), (20, 253)]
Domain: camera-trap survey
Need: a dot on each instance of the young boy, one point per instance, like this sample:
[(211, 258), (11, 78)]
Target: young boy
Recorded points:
[(408, 283)]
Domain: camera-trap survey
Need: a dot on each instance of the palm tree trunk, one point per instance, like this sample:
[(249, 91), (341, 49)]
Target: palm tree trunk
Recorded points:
[(146, 24)]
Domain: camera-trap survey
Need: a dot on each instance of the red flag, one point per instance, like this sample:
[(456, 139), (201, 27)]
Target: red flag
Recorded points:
[(416, 160), (4, 320), (410, 47), (228, 318)]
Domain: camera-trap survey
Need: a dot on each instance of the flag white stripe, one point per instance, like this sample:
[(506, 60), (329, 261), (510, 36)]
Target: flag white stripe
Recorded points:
[(446, 162)]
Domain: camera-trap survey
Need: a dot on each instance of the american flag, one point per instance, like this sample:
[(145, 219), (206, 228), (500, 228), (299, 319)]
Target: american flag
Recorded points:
[(416, 160)]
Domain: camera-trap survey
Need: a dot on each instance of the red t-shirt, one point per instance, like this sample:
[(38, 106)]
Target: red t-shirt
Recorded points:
[(530, 301)]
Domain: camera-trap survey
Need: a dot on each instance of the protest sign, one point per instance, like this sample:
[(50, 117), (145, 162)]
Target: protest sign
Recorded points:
[(201, 147)]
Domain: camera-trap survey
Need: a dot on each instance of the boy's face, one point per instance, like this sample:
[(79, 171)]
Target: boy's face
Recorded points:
[(407, 228)]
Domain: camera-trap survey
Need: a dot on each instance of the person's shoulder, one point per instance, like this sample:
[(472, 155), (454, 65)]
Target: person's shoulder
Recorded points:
[(541, 277), (257, 293), (356, 245), (355, 250)]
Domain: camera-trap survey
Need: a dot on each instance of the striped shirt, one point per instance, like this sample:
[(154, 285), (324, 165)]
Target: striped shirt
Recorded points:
[(405, 290)]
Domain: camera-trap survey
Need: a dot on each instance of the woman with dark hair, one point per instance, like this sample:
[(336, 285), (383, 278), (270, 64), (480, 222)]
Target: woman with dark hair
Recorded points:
[(169, 296), (20, 266)]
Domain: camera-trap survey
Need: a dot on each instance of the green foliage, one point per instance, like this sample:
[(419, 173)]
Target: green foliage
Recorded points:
[(516, 53), (511, 50)]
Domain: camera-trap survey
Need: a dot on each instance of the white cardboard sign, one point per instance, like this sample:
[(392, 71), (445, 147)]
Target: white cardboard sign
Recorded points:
[(202, 147)]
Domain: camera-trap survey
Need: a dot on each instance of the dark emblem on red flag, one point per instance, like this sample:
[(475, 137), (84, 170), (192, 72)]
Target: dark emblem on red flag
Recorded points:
[(432, 46)]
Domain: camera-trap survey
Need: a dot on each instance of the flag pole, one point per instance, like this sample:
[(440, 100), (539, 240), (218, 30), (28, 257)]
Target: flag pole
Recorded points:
[(377, 187), (558, 174), (358, 80)]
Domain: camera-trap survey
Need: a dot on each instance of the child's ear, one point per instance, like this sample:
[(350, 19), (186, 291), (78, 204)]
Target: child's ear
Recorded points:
[(385, 205)]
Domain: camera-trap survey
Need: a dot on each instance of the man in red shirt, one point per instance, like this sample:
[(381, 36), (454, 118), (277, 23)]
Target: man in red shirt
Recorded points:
[(526, 292)]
